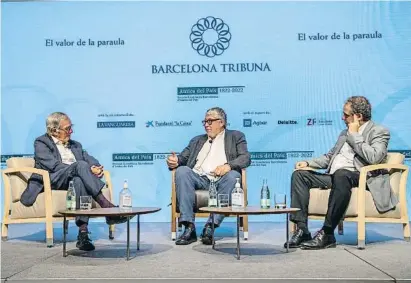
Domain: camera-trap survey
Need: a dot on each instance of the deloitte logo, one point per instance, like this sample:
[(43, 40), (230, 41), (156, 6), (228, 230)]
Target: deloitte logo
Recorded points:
[(210, 36)]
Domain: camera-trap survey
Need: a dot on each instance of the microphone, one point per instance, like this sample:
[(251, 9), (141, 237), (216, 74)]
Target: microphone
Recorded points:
[(210, 141)]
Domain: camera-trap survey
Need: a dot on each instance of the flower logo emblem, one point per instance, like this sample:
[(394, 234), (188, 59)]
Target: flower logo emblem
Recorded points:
[(210, 36)]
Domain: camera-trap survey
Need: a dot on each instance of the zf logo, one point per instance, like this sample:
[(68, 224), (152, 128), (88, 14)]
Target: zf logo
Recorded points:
[(311, 121)]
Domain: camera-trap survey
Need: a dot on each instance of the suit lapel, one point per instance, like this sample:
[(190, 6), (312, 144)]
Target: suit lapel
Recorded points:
[(76, 151), (56, 150), (227, 144)]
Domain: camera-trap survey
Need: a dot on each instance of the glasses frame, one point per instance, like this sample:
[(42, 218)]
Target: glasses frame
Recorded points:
[(210, 121)]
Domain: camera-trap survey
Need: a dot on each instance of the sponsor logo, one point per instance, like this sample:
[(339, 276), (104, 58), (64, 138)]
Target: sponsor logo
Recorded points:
[(116, 124), (210, 68), (130, 160), (210, 36), (153, 124), (249, 123), (272, 157), (319, 122), (287, 122)]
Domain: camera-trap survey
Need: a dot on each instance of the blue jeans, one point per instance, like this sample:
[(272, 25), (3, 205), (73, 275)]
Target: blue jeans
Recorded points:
[(187, 181)]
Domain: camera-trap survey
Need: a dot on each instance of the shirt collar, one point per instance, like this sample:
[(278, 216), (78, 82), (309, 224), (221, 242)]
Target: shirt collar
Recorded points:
[(59, 142)]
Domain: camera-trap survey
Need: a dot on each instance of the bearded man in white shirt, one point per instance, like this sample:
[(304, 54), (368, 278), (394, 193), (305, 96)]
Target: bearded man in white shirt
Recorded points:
[(362, 143)]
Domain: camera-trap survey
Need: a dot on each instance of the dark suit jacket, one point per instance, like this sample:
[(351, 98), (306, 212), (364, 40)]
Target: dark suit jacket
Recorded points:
[(47, 157), (235, 145)]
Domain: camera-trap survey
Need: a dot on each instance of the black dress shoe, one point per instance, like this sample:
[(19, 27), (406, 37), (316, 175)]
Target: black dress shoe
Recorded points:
[(297, 238), (189, 236), (207, 235), (84, 243), (320, 241)]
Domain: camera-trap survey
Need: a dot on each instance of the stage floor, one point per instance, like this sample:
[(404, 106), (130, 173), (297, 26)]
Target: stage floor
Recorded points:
[(25, 257)]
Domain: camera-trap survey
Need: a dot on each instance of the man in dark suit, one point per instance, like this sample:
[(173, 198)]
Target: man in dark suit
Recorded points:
[(66, 161), (362, 143), (218, 155)]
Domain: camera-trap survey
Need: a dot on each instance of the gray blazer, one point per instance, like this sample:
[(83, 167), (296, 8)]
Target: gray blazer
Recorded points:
[(47, 157), (235, 145), (369, 148)]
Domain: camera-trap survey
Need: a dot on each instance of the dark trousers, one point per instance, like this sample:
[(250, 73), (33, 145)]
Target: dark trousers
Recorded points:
[(340, 183), (187, 181), (84, 181)]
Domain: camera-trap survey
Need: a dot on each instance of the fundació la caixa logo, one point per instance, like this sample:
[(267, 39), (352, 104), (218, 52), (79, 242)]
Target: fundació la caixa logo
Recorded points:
[(210, 36)]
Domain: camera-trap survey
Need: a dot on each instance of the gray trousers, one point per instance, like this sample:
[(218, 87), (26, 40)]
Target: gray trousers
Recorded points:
[(340, 183), (85, 184), (187, 181)]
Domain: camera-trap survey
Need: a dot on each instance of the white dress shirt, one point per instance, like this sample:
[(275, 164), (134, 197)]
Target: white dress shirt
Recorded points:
[(66, 154), (211, 155)]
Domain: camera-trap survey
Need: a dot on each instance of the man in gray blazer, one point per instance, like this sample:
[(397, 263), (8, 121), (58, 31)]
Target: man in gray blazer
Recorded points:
[(66, 160), (218, 155), (362, 143)]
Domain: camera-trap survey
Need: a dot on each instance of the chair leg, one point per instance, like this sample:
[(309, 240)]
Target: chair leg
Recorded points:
[(173, 228), (111, 232), (292, 227), (341, 228), (361, 235), (406, 229), (245, 227), (4, 231), (49, 234)]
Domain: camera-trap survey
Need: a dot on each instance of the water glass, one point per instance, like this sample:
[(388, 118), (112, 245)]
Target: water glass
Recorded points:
[(85, 202), (280, 201), (223, 200)]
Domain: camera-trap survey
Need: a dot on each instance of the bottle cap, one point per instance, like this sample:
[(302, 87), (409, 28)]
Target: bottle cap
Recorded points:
[(125, 185)]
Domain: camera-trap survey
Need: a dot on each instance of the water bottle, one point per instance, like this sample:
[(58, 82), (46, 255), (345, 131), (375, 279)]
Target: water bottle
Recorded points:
[(71, 197), (237, 196), (212, 190), (265, 195), (125, 197)]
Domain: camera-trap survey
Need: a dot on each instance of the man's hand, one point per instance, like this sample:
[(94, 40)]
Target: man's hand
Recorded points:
[(301, 164), (172, 161), (354, 126), (97, 171), (222, 170)]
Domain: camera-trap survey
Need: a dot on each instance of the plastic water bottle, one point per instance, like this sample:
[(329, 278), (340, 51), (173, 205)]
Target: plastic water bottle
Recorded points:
[(265, 195), (125, 197), (237, 196), (71, 197), (212, 190)]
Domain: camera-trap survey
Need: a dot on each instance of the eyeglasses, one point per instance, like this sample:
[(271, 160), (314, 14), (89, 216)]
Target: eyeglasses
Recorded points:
[(209, 121), (68, 129), (346, 115)]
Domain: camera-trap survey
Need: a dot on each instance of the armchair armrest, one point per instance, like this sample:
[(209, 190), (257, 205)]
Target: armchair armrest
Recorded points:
[(109, 185), (307, 168), (362, 184)]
